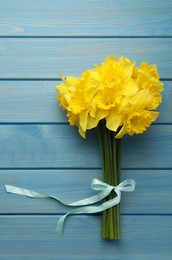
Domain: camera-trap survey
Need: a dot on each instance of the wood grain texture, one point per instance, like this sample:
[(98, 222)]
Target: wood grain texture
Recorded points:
[(153, 193), (91, 17), (27, 237), (39, 150), (46, 58), (35, 101), (60, 146)]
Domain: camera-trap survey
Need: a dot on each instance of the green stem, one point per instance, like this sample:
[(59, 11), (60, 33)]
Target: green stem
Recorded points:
[(118, 141), (111, 165)]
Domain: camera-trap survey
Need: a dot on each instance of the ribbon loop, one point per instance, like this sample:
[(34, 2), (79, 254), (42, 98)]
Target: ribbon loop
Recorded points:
[(83, 206), (127, 185), (98, 185)]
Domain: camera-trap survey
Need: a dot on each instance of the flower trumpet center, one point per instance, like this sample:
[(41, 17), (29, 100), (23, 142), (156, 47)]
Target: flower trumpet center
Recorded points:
[(138, 122), (107, 98)]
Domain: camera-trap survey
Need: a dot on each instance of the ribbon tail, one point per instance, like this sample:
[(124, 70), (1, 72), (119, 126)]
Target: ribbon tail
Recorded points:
[(93, 199), (88, 210), (85, 208), (88, 201), (60, 225), (24, 192)]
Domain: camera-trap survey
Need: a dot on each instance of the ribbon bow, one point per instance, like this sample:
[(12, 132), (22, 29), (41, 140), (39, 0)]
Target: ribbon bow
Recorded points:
[(83, 206)]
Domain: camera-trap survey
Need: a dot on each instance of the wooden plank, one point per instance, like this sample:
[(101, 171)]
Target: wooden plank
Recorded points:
[(46, 58), (143, 237), (153, 193), (35, 101), (60, 146), (29, 101), (86, 17)]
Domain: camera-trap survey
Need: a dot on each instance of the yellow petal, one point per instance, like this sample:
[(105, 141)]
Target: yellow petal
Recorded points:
[(93, 121), (113, 120), (72, 118), (142, 99), (128, 88), (81, 132), (127, 67), (150, 70), (110, 59), (154, 115), (139, 121), (83, 119), (122, 132)]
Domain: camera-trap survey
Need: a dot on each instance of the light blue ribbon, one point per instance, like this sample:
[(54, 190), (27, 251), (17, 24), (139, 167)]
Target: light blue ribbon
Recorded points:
[(83, 206)]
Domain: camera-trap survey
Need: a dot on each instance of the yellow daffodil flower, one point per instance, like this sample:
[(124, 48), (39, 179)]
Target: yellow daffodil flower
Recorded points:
[(124, 95)]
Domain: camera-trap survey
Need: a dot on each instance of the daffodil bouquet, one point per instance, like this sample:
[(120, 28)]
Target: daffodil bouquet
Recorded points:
[(118, 98)]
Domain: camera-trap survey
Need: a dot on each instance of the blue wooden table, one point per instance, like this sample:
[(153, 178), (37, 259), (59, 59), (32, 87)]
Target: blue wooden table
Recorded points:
[(40, 151)]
